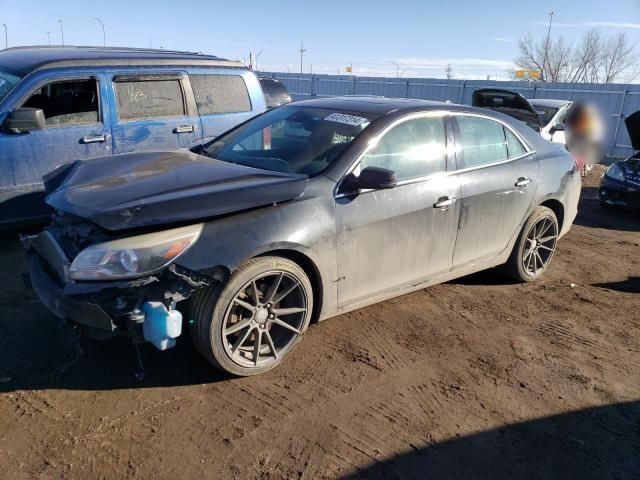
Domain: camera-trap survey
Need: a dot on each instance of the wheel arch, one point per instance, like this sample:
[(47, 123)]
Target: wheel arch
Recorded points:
[(558, 208), (309, 267)]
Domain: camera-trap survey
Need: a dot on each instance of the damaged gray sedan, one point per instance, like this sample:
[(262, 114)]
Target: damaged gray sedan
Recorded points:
[(300, 214)]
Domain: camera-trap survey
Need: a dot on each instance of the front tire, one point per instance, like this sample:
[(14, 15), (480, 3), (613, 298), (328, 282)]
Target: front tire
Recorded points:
[(535, 246), (251, 323)]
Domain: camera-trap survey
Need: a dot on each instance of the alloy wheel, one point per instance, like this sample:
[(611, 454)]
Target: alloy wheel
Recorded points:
[(264, 319), (540, 245)]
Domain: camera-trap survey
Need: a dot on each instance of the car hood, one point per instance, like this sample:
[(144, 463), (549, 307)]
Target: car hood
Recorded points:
[(631, 168), (509, 103), (152, 188), (633, 127)]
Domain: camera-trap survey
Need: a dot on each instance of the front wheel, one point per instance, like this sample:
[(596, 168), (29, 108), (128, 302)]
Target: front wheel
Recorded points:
[(535, 246), (253, 322)]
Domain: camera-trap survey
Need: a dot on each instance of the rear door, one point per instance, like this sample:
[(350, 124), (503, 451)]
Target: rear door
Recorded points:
[(498, 175), (396, 237), (153, 112)]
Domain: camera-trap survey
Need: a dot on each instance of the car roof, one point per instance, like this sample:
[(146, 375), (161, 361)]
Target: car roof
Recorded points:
[(548, 102), (23, 60), (373, 104)]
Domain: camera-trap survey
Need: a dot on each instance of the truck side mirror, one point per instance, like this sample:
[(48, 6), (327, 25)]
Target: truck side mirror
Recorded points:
[(558, 127), (25, 120)]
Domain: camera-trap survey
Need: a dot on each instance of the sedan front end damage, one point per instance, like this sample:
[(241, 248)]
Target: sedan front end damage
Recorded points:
[(111, 287)]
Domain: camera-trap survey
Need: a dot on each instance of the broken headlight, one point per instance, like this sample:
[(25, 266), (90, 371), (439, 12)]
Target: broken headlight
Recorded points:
[(134, 256)]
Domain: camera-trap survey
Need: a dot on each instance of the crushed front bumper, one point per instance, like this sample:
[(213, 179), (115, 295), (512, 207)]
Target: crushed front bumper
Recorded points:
[(64, 307)]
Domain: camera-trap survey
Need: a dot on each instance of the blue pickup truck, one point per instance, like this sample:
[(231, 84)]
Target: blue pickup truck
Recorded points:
[(60, 104)]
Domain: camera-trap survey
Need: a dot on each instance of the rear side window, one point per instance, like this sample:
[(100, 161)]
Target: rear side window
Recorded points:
[(220, 94), (483, 141), (414, 148), (149, 99), (514, 146)]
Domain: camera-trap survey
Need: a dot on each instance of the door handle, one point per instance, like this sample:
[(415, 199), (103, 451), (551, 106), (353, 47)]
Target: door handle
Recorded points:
[(95, 138), (184, 129), (523, 182), (444, 202)]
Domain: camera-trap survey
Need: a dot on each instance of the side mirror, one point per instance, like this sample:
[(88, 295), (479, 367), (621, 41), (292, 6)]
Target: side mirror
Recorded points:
[(372, 178), (25, 120), (558, 127)]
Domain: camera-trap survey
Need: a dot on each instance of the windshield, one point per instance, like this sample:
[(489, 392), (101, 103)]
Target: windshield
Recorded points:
[(546, 113), (291, 139), (7, 82)]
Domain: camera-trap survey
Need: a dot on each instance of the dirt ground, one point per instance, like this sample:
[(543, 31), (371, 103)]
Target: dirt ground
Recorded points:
[(476, 378)]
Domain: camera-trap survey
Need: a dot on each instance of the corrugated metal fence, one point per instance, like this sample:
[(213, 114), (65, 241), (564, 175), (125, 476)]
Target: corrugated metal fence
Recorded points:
[(616, 101)]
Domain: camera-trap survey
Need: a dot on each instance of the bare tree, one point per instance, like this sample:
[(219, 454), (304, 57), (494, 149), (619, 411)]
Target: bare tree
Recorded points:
[(595, 59)]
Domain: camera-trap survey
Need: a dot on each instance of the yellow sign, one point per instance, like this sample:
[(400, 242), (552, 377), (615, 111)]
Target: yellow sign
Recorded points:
[(534, 74), (519, 73), (349, 69)]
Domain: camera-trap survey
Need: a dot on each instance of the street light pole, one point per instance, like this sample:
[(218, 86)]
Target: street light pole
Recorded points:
[(302, 50), (104, 35), (397, 68), (6, 36), (61, 31), (49, 37)]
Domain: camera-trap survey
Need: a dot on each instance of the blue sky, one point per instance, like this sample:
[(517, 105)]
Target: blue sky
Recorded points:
[(477, 38)]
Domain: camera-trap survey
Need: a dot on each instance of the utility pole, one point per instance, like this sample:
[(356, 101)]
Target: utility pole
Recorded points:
[(49, 38), (104, 35), (61, 31), (397, 68), (6, 36), (546, 48), (258, 56), (302, 50), (449, 71)]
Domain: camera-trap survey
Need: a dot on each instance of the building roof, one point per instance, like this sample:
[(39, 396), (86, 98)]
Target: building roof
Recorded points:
[(22, 60)]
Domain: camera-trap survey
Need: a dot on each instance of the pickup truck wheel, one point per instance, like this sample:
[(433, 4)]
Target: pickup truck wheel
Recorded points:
[(252, 322), (535, 246)]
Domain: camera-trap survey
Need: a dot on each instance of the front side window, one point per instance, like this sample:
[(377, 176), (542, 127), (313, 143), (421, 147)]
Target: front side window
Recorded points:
[(140, 99), (414, 148), (290, 139), (67, 102), (220, 94), (483, 141), (7, 82)]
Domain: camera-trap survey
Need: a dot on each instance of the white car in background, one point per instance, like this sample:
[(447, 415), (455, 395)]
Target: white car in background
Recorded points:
[(552, 112)]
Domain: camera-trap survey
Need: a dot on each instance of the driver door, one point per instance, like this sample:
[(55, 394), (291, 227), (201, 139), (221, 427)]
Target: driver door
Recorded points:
[(393, 238)]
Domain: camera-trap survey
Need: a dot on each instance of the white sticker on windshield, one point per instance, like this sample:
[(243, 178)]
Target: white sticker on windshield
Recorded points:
[(346, 119)]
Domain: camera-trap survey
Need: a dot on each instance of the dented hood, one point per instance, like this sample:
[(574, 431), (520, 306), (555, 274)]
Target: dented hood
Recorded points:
[(153, 188)]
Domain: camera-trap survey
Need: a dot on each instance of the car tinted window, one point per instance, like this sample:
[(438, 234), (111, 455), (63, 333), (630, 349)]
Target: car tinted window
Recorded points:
[(483, 141), (546, 113), (415, 148), (68, 102), (290, 139), (220, 94), (149, 99), (514, 146)]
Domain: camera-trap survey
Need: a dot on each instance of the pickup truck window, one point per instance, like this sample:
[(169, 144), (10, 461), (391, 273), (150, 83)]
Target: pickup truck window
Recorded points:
[(149, 99), (220, 94), (67, 102)]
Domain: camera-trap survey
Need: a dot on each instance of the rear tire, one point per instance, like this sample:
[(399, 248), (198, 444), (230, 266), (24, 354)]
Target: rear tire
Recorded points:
[(535, 246), (251, 323)]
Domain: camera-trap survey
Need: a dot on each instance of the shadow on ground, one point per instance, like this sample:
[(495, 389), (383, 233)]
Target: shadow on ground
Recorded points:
[(630, 285), (592, 214), (596, 443)]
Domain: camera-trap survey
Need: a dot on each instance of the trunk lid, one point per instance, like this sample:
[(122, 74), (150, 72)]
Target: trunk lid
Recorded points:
[(154, 188), (509, 103)]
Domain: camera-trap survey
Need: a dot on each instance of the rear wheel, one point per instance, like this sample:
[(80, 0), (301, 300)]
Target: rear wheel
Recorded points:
[(252, 323), (535, 247)]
